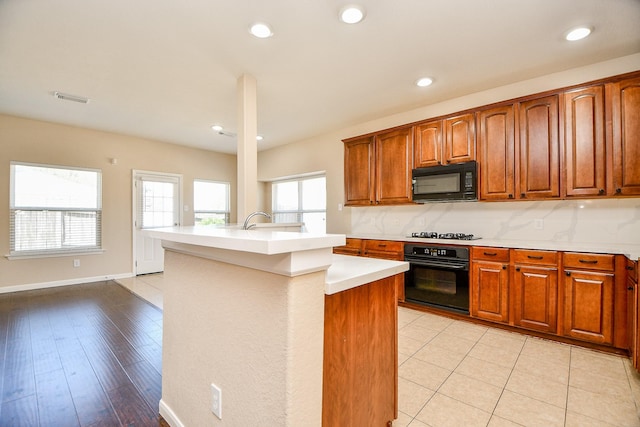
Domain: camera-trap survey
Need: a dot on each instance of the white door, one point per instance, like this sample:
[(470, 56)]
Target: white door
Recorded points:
[(157, 202)]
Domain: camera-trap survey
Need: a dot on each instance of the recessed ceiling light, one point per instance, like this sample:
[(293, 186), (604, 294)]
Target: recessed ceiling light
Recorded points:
[(578, 33), (351, 14), (217, 128), (424, 82), (259, 138), (260, 30)]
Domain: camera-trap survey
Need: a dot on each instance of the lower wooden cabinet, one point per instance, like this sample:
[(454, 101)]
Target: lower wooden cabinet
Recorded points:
[(351, 247), (535, 290), (489, 285), (633, 316), (589, 297), (382, 249), (360, 375)]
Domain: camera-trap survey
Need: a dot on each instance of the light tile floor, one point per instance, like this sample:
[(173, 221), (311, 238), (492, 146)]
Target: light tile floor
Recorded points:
[(456, 373)]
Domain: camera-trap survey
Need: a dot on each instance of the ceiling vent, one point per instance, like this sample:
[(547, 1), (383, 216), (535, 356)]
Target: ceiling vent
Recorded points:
[(68, 97)]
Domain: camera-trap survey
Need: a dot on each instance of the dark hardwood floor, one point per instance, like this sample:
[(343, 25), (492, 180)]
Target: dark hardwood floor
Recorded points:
[(80, 355)]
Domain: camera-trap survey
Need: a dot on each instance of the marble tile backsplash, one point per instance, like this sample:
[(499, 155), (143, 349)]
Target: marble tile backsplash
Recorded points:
[(580, 221)]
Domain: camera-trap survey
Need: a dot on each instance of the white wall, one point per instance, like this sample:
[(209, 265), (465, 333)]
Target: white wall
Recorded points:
[(325, 152)]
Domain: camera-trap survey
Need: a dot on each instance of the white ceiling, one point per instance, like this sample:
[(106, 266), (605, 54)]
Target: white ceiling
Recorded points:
[(168, 69)]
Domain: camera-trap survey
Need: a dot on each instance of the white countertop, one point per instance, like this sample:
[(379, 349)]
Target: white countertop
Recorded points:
[(258, 241), (347, 272), (287, 253), (631, 251)]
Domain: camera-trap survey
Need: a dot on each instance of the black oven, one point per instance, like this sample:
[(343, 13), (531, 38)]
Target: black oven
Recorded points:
[(438, 276)]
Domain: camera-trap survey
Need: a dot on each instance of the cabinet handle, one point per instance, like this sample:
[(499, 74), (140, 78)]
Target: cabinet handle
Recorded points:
[(588, 261), (630, 288), (382, 245), (517, 268), (523, 195), (490, 253), (534, 257), (629, 268), (504, 266), (618, 190), (511, 196), (568, 273), (601, 191)]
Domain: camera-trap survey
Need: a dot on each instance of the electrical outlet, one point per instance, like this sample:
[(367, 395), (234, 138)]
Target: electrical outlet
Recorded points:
[(76, 263), (216, 400)]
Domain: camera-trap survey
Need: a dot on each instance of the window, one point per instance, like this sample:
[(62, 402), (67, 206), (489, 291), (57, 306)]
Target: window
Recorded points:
[(210, 202), (54, 209), (301, 200)]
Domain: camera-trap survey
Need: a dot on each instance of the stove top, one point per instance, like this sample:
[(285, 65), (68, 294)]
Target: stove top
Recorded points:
[(449, 236)]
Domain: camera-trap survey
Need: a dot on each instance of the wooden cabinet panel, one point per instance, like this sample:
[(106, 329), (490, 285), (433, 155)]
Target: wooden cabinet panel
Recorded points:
[(539, 148), (588, 306), (351, 247), (427, 144), (490, 291), (460, 139), (386, 249), (496, 155), (394, 162), (625, 110), (360, 374), (535, 297), (537, 257), (584, 142), (578, 260), (359, 172), (489, 254)]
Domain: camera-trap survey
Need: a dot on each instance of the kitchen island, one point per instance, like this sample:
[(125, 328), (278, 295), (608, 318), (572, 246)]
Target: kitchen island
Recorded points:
[(290, 333)]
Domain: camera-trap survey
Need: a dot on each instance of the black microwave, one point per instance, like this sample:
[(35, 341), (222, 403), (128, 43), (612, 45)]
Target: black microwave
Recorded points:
[(446, 183)]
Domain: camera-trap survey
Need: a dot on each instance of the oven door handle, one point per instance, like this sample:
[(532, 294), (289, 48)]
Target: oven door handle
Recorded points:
[(436, 264)]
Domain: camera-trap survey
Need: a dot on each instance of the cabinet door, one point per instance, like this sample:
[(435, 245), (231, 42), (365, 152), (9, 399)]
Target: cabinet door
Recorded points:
[(632, 322), (394, 163), (358, 172), (539, 159), (496, 153), (584, 142), (535, 296), (626, 137), (460, 139), (489, 291), (427, 145), (588, 306)]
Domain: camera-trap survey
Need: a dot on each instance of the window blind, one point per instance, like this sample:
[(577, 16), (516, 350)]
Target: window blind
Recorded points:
[(54, 209)]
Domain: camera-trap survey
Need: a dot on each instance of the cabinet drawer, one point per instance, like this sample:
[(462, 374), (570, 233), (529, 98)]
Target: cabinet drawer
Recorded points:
[(490, 254), (521, 256), (632, 269), (351, 247), (383, 245), (589, 261)]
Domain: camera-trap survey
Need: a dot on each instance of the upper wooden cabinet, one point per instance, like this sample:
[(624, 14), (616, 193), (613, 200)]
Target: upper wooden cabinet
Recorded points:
[(496, 153), (377, 169), (539, 157), (624, 97), (359, 173), (518, 150), (450, 140), (394, 162), (584, 142)]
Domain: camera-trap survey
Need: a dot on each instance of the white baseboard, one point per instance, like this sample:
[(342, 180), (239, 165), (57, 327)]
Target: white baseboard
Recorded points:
[(169, 416), (44, 285)]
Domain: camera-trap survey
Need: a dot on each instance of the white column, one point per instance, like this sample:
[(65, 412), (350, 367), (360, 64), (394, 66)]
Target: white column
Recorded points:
[(247, 157)]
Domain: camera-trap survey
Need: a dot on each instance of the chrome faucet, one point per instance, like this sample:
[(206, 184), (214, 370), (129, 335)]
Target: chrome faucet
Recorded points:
[(246, 225)]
